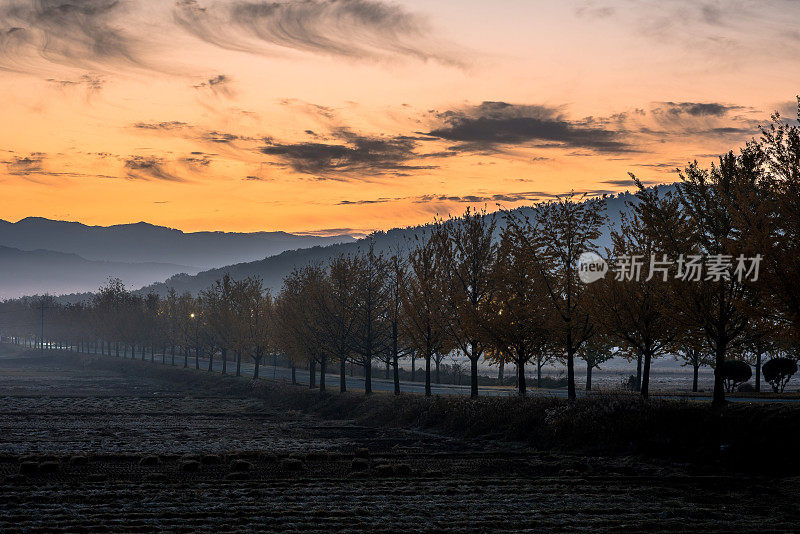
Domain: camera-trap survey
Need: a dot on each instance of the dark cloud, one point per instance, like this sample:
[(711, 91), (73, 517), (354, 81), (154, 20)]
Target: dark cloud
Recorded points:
[(25, 165), (627, 182), (148, 167), (695, 109), (91, 82), (351, 153), (164, 126), (220, 85), (214, 136), (196, 160), (494, 124), (362, 202), (350, 28), (80, 33)]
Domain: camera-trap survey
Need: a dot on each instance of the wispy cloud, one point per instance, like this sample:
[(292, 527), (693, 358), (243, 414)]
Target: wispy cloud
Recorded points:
[(349, 28), (147, 168)]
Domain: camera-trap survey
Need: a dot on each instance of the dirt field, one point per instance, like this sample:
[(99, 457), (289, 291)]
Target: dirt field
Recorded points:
[(82, 449)]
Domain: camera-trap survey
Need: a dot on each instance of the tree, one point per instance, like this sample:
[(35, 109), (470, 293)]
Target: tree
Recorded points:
[(735, 372), (697, 227), (258, 322), (399, 345), (595, 352), (778, 372), (559, 233), (221, 316), (516, 319), (371, 332), (470, 252), (635, 306), (423, 299)]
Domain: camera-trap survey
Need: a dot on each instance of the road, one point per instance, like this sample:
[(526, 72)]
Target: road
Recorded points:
[(272, 372)]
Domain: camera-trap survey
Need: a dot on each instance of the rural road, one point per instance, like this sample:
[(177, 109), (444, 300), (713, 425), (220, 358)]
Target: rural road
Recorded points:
[(270, 372)]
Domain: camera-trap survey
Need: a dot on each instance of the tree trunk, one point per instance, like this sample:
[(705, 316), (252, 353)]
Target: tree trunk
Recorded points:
[(396, 366), (646, 375), (539, 364), (211, 361), (368, 375), (521, 379), (589, 367), (413, 368), (238, 363), (427, 375), (323, 364), (312, 377), (294, 374), (152, 353), (500, 371), (758, 372), (185, 357), (256, 365), (224, 361), (342, 375), (197, 357), (473, 381), (696, 369), (638, 385), (571, 374), (719, 382)]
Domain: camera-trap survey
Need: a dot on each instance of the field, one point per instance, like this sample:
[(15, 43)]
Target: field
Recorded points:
[(85, 446)]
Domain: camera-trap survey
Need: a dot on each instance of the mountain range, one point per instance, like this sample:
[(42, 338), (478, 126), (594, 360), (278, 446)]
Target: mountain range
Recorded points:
[(272, 270), (40, 255)]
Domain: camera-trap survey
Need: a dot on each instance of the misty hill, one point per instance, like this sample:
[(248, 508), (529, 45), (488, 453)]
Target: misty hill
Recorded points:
[(273, 270), (143, 242), (44, 271)]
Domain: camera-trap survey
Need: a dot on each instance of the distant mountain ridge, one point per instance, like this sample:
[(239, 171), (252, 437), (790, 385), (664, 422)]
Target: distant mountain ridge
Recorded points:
[(272, 270), (143, 242), (24, 272)]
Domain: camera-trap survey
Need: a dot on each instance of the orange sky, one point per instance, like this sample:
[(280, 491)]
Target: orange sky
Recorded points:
[(355, 115)]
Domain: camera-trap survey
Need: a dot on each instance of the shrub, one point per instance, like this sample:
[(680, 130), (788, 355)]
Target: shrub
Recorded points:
[(735, 372), (778, 371)]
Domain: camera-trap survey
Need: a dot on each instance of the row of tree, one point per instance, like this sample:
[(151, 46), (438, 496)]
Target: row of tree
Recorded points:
[(506, 288)]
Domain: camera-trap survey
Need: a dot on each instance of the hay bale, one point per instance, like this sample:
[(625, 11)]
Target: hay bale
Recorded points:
[(148, 461), (78, 460), (49, 467)]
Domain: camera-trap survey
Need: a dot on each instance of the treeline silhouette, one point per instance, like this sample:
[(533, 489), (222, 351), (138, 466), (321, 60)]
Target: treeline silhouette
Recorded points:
[(508, 296)]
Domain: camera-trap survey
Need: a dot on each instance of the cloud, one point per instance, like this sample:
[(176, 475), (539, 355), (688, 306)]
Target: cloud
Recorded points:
[(102, 34), (348, 28), (696, 109), (25, 165), (92, 83), (79, 33), (219, 85), (148, 167), (494, 124), (351, 154), (627, 182), (161, 126)]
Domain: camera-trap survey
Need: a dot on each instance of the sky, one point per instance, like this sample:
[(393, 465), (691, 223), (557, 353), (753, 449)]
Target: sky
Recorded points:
[(347, 116)]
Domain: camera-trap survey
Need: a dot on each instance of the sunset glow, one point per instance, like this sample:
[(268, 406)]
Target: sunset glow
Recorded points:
[(350, 116)]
